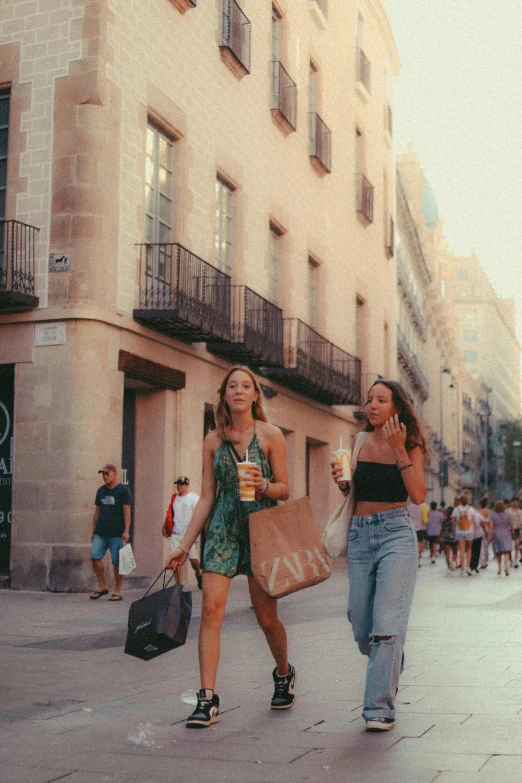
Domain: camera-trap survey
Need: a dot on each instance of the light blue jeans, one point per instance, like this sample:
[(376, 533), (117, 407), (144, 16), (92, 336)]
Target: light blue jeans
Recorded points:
[(382, 568)]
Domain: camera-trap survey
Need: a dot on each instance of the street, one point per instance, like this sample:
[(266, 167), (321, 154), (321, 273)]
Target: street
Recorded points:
[(74, 708)]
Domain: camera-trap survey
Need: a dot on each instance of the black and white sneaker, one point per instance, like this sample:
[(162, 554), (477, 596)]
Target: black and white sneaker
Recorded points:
[(284, 692), (207, 711), (380, 724)]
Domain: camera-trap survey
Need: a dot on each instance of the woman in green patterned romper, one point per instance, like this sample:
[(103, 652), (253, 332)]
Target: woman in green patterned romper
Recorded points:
[(241, 424)]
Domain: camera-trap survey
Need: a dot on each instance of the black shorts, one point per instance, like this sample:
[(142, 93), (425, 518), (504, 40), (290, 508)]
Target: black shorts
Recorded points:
[(421, 535), (516, 534), (433, 540)]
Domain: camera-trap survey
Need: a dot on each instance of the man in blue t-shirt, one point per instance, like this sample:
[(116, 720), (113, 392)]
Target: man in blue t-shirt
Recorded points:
[(111, 526)]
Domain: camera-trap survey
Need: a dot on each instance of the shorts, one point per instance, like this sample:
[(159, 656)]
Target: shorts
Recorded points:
[(100, 544), (175, 541), (421, 535), (433, 540), (516, 534)]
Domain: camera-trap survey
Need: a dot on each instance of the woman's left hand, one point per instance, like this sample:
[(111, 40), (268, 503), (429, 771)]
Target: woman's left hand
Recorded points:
[(395, 433), (256, 477)]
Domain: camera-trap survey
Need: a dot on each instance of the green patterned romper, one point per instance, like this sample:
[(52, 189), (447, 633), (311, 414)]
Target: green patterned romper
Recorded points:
[(227, 543)]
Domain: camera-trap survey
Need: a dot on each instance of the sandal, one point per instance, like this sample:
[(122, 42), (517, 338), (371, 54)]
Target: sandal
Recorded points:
[(115, 597), (98, 594)]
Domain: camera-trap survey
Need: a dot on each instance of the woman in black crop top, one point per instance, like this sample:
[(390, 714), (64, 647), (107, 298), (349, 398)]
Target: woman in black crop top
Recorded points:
[(382, 545)]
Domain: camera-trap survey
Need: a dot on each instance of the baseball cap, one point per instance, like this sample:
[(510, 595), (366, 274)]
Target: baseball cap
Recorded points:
[(182, 480), (107, 467)]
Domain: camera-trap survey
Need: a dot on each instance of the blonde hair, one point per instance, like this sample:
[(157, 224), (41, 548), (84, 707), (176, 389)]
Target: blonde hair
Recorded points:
[(222, 411)]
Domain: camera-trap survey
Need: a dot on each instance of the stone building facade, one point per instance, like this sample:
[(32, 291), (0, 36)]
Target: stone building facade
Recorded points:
[(189, 184)]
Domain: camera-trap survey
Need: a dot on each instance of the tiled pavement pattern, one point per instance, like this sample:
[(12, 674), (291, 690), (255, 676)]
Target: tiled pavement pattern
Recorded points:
[(74, 708)]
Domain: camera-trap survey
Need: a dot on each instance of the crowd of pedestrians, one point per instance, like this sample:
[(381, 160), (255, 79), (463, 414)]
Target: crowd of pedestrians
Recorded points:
[(468, 537)]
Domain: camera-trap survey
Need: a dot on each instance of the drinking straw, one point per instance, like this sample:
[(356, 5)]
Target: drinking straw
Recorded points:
[(246, 459), (340, 441)]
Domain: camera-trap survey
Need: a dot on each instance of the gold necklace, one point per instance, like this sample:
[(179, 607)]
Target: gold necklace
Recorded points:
[(244, 429)]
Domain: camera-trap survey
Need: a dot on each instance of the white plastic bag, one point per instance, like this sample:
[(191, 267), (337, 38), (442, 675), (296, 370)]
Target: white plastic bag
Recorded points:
[(127, 561)]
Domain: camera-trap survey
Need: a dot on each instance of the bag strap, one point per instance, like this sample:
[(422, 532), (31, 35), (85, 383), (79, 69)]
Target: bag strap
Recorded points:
[(163, 574), (359, 440)]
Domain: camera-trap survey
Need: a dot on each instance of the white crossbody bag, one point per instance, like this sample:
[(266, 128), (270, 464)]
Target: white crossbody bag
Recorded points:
[(335, 533)]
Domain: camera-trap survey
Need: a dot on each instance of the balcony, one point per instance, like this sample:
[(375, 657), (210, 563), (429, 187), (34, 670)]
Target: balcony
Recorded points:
[(319, 12), (181, 295), (410, 363), (364, 193), (389, 242), (256, 333), (184, 5), (284, 98), (316, 368), (388, 119), (411, 298), (320, 144), (235, 38), (17, 267), (363, 71)]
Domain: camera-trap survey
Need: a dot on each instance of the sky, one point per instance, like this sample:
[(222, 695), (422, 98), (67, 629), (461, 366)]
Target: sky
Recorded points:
[(458, 100)]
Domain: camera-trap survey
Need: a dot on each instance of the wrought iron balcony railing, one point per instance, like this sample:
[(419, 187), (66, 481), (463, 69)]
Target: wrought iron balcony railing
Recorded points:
[(316, 368), (364, 192), (17, 266), (388, 119), (411, 364), (320, 143), (389, 242), (236, 33), (411, 298), (181, 295), (363, 70), (284, 95), (256, 333)]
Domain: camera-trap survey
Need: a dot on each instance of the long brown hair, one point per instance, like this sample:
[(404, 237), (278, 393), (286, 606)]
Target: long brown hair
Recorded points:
[(407, 415), (222, 411)]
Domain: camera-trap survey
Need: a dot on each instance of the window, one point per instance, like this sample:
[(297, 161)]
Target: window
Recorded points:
[(313, 87), (224, 226), (313, 268), (443, 288), (470, 336), (470, 356), (158, 186), (274, 265), (463, 275), (358, 152), (5, 96)]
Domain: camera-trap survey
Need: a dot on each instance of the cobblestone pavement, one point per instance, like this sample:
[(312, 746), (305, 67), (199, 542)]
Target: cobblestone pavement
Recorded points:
[(75, 708)]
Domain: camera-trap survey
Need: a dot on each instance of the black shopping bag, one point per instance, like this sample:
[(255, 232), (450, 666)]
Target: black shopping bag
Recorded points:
[(160, 621)]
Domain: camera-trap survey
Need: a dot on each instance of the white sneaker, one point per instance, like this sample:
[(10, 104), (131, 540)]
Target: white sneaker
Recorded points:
[(380, 724)]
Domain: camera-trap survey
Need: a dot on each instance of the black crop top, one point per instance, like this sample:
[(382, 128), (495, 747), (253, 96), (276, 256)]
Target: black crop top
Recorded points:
[(377, 482)]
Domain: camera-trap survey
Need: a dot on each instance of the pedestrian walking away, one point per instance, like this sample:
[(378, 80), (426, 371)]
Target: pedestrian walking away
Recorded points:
[(502, 536), (111, 529), (466, 524), (433, 529), (382, 544), (486, 527), (515, 514), (476, 544), (243, 435), (177, 520), (449, 542), (416, 514)]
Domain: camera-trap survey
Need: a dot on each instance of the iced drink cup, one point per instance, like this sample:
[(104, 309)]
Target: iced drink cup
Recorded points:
[(342, 458), (247, 491)]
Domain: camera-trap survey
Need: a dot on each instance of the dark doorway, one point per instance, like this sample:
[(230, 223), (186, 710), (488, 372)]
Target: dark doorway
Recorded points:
[(128, 445), (6, 464)]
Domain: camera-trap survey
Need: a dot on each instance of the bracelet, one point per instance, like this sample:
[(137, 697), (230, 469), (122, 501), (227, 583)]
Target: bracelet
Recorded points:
[(267, 484), (405, 467), (347, 487), (405, 461), (184, 551)]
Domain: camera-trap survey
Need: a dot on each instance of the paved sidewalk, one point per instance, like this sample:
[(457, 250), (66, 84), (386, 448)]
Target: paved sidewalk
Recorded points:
[(74, 708)]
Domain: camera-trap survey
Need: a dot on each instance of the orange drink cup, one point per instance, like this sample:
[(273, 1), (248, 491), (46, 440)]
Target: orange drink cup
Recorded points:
[(342, 458), (247, 491)]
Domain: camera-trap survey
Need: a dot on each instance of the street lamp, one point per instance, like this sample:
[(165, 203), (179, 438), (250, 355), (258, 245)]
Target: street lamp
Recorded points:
[(443, 370), (516, 446)]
